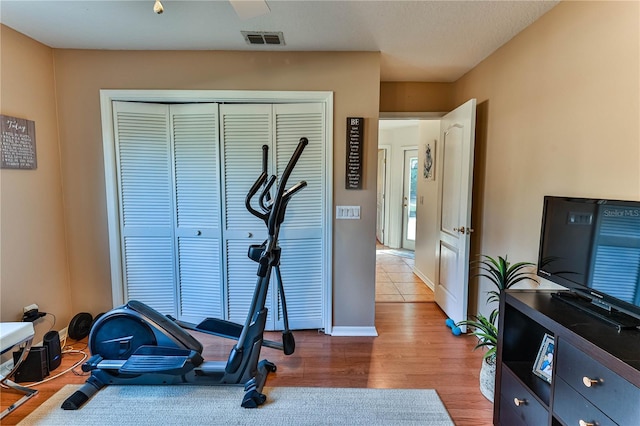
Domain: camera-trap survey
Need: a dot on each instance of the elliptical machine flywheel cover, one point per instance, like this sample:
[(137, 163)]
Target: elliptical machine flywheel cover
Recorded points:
[(80, 326)]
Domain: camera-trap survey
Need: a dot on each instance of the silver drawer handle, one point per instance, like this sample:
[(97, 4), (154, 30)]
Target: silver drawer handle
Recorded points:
[(589, 382), (519, 402), (583, 423)]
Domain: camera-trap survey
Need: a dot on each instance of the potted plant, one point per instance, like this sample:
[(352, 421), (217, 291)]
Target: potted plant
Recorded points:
[(503, 275)]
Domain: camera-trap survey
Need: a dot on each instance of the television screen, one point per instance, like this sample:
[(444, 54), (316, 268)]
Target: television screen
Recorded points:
[(592, 246)]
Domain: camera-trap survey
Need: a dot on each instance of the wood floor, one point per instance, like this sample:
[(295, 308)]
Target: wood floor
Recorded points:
[(414, 349)]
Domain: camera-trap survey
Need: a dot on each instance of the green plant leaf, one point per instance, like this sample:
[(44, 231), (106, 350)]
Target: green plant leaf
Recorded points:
[(503, 275)]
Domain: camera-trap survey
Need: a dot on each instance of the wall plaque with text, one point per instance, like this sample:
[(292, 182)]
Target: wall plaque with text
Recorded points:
[(355, 132), (17, 143)]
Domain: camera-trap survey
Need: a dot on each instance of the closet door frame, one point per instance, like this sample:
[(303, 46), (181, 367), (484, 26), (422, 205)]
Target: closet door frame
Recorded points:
[(107, 97)]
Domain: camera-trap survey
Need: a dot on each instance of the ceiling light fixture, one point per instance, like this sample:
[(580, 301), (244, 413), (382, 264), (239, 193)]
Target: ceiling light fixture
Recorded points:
[(157, 7)]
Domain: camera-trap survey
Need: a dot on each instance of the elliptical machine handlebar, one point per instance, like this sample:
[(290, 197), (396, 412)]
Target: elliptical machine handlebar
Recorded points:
[(266, 195), (256, 186), (282, 197), (273, 209)]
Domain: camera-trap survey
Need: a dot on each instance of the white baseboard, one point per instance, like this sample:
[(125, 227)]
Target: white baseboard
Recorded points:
[(354, 331), (424, 279), (63, 334)]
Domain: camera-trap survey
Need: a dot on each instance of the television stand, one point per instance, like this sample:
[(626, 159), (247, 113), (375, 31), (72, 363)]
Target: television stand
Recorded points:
[(618, 319), (595, 376)]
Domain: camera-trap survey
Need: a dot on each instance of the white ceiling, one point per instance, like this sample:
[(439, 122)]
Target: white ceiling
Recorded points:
[(437, 41)]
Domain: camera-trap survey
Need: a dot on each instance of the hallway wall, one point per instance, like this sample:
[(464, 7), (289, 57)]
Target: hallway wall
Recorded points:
[(427, 217)]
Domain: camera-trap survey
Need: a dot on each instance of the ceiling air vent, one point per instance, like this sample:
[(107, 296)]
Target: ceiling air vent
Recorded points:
[(261, 37)]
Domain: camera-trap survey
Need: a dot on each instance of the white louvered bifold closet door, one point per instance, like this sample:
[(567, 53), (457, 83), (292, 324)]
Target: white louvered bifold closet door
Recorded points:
[(197, 192), (301, 233), (142, 137), (168, 182), (183, 173), (245, 128)]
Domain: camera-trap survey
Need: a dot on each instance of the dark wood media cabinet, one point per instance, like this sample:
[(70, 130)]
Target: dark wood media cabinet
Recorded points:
[(596, 369)]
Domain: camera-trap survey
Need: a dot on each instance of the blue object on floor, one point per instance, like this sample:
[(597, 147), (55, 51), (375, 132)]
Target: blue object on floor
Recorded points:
[(452, 325)]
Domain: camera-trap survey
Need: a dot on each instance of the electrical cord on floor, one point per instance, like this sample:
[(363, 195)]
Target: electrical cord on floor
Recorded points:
[(64, 342)]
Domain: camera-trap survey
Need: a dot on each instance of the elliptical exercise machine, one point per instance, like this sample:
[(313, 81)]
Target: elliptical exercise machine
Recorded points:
[(136, 345)]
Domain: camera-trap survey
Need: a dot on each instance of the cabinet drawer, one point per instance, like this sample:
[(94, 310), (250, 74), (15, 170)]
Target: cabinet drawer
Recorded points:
[(572, 408), (610, 393), (528, 411)]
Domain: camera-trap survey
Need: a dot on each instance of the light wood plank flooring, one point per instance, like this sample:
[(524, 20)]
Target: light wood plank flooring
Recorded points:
[(414, 349)]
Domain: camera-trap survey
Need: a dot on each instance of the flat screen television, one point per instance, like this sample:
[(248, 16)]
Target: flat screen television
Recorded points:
[(592, 247)]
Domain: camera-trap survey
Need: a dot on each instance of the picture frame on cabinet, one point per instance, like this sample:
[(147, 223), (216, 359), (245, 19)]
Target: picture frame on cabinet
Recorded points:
[(543, 367)]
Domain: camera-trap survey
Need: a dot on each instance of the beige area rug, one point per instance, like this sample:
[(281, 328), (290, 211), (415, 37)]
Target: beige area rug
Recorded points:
[(201, 405)]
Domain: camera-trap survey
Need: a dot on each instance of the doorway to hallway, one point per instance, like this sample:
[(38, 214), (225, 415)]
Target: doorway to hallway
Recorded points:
[(395, 280)]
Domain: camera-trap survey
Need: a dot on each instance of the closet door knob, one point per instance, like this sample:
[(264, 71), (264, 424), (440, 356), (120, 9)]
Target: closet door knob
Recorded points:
[(198, 232), (249, 235)]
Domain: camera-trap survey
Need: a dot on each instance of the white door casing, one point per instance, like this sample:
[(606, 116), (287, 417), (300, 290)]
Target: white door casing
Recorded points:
[(457, 133), (380, 194)]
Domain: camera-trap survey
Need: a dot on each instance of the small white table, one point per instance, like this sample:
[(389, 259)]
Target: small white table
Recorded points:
[(14, 334)]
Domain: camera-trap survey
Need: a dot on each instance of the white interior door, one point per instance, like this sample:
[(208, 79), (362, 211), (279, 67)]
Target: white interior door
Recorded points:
[(146, 212), (169, 206), (196, 180), (457, 133), (301, 235), (245, 129), (410, 189), (380, 194)]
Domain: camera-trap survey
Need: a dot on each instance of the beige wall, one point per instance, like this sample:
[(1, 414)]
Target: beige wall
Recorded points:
[(80, 74), (558, 114), (33, 256), (403, 96)]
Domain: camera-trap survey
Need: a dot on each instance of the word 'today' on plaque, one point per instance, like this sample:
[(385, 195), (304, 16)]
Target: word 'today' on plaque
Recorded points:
[(355, 132), (17, 143)]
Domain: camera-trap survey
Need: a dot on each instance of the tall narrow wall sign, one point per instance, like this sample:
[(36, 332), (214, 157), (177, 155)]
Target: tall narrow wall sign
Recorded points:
[(355, 132), (17, 143)]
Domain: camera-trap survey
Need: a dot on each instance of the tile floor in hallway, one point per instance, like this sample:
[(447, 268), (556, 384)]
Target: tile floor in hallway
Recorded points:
[(395, 280)]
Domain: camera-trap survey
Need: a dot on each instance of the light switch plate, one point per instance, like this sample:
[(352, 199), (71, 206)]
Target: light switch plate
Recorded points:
[(347, 212)]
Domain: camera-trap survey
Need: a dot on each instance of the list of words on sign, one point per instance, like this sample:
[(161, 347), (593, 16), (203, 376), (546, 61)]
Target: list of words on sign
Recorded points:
[(355, 131), (17, 143)]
